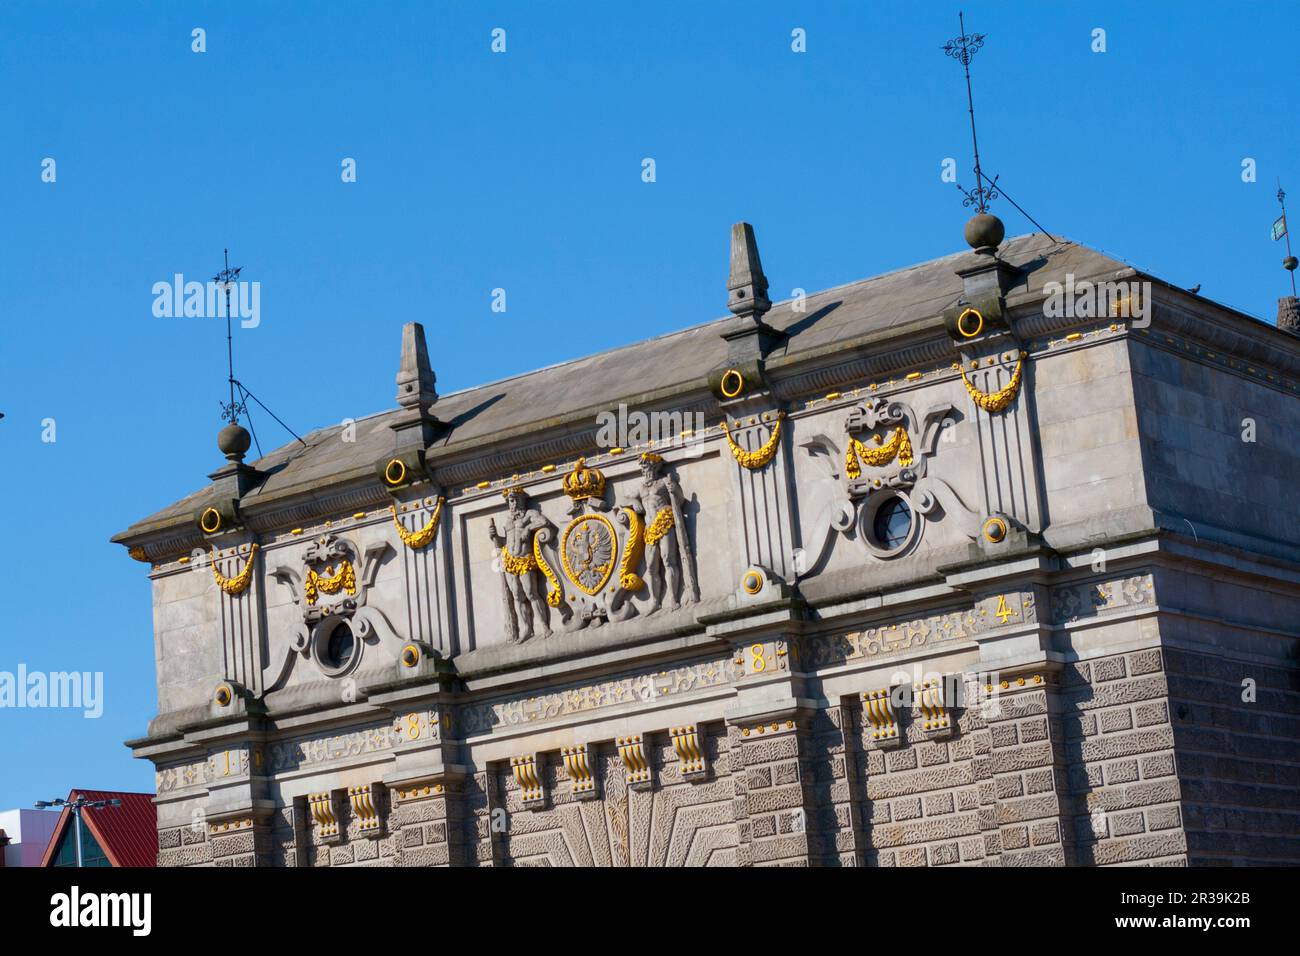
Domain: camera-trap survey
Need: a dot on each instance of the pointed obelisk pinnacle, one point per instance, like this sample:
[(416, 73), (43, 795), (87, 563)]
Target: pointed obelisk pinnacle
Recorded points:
[(747, 286), (415, 378)]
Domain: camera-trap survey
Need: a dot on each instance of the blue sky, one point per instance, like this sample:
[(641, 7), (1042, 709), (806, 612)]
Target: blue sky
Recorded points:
[(520, 171)]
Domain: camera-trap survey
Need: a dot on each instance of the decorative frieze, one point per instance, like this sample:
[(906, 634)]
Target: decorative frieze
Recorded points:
[(583, 698), (828, 650), (1074, 601)]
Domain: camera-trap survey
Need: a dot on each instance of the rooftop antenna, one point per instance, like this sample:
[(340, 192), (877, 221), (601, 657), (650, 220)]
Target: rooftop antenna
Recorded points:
[(230, 411), (1280, 231), (963, 49)]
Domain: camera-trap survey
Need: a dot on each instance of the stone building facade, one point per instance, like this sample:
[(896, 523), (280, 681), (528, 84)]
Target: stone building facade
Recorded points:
[(990, 561)]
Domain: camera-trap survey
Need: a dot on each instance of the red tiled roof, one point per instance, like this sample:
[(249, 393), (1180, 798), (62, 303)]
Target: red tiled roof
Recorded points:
[(128, 834)]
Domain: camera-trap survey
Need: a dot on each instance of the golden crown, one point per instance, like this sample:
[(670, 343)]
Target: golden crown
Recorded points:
[(584, 482)]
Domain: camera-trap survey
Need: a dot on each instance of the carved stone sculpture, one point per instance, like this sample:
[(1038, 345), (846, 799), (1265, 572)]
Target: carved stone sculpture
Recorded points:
[(520, 566), (669, 562)]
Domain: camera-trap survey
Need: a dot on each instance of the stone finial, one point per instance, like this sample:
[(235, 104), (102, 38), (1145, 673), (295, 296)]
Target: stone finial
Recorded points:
[(746, 286), (415, 378), (1288, 314), (234, 441), (984, 232)]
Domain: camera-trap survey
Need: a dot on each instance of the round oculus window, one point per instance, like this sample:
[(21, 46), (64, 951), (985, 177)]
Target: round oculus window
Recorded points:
[(892, 524)]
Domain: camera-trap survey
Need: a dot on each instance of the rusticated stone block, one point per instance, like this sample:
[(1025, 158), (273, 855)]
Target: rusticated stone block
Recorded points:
[(943, 854), (1120, 771), (1144, 662), (1108, 669), (913, 856), (901, 760), (907, 809)]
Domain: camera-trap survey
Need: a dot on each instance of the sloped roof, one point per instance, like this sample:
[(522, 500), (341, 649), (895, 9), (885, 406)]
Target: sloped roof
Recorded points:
[(128, 834), (883, 305)]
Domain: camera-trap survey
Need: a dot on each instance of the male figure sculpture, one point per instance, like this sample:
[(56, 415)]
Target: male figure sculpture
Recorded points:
[(659, 500), (523, 596)]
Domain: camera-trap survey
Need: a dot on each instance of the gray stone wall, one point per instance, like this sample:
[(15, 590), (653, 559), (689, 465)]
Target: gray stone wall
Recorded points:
[(1238, 760)]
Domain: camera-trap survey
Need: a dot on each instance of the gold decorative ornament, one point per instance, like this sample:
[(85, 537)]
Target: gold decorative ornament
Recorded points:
[(322, 811), (662, 524), (996, 401), (628, 579), (752, 582), (239, 583), (964, 329), (330, 582), (210, 521), (631, 750), (533, 561), (421, 538), (224, 695), (526, 775), (583, 482), (930, 701), (732, 383), (995, 530), (137, 554), (410, 655), (395, 472), (588, 552), (363, 807), (686, 741), (577, 765), (753, 460), (517, 566), (651, 457), (859, 453)]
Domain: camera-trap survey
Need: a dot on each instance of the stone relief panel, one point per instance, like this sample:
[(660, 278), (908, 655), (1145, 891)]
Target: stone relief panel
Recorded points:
[(673, 824)]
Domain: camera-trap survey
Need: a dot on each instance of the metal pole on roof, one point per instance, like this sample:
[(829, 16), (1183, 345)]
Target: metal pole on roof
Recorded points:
[(76, 806)]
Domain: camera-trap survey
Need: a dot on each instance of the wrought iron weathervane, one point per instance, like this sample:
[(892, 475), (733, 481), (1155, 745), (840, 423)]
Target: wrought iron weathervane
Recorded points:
[(1280, 231), (230, 411), (963, 49), (225, 279)]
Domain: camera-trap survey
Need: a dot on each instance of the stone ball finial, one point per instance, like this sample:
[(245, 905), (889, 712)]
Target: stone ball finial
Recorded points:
[(1289, 263), (984, 232), (234, 441)]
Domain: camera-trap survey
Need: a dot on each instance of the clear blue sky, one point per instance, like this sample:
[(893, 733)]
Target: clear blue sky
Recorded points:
[(522, 171)]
